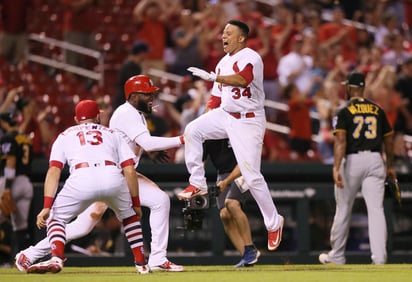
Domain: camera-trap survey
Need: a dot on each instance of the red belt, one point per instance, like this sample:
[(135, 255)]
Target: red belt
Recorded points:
[(85, 164), (239, 115)]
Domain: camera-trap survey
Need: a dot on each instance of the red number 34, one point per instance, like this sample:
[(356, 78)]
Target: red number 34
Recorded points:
[(238, 93)]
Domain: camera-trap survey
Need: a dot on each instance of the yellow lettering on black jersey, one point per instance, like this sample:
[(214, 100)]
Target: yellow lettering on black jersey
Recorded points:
[(363, 109)]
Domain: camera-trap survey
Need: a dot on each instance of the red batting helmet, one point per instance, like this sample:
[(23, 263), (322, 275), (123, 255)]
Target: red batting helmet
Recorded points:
[(139, 84)]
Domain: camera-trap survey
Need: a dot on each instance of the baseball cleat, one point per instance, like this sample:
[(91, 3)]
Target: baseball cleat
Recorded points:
[(168, 266), (275, 237), (249, 258), (190, 192), (53, 265), (22, 262), (143, 269), (324, 259)]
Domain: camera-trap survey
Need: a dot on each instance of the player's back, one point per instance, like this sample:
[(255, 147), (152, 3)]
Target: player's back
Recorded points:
[(365, 124), (89, 142)]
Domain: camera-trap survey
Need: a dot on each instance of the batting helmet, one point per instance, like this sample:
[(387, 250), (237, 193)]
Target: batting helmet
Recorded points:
[(139, 84)]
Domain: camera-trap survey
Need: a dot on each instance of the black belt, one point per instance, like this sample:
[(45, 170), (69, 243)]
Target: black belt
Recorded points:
[(363, 151)]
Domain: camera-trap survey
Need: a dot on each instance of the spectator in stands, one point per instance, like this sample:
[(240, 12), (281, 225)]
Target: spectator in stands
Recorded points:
[(382, 91), (284, 29), (132, 66), (80, 21), (337, 32), (295, 67), (387, 27), (152, 18), (403, 124), (300, 135), (14, 29), (396, 53), (186, 42)]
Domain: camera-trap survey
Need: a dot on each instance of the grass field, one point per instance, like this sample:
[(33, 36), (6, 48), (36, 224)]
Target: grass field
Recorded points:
[(258, 273)]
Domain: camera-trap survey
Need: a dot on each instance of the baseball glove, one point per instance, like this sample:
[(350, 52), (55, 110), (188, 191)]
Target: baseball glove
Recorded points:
[(7, 204), (392, 189)]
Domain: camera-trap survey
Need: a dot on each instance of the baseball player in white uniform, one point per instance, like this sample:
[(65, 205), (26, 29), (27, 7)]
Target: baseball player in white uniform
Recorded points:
[(101, 169), (237, 103), (129, 120)]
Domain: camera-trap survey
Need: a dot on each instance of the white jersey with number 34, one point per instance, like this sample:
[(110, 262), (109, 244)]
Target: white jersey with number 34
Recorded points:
[(239, 99)]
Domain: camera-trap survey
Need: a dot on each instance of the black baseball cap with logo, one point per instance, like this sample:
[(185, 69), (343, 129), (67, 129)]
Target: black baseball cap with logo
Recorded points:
[(355, 79)]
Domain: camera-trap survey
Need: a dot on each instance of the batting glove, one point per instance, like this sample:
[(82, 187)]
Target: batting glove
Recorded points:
[(203, 74)]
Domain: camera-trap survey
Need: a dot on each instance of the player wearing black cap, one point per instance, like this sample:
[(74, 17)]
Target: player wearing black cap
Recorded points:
[(360, 129)]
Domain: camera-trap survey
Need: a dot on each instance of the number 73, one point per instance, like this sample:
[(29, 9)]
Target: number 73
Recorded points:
[(370, 122)]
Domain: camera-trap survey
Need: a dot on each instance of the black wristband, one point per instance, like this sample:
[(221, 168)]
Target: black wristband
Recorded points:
[(9, 183)]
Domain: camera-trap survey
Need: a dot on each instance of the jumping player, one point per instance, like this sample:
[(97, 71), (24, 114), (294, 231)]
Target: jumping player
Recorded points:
[(101, 167), (130, 121), (360, 128), (237, 104)]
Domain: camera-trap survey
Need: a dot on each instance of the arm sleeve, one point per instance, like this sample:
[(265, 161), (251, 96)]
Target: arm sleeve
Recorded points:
[(153, 143)]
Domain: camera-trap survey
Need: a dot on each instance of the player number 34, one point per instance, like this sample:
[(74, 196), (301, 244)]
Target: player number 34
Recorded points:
[(238, 93)]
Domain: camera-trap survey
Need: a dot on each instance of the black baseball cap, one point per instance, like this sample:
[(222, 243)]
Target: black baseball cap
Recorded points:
[(355, 79), (139, 47)]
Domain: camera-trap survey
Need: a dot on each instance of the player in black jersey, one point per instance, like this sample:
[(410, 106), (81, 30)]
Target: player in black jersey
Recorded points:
[(360, 129), (15, 163), (231, 199)]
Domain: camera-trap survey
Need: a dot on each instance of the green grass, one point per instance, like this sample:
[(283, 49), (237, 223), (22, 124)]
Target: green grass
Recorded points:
[(273, 273)]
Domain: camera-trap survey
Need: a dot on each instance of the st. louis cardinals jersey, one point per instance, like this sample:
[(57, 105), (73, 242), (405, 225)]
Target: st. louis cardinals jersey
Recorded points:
[(91, 143), (130, 123), (235, 98)]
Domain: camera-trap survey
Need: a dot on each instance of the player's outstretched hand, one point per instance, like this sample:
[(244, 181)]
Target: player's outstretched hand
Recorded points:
[(203, 74), (42, 218)]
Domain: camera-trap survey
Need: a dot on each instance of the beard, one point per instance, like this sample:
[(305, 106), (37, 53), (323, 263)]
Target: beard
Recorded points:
[(144, 107)]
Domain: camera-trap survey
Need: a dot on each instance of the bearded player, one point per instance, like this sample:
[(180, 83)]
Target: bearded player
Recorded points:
[(237, 104), (129, 120)]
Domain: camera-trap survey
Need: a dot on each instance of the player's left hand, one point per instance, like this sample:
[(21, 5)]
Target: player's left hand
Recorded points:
[(203, 74), (42, 218), (337, 177)]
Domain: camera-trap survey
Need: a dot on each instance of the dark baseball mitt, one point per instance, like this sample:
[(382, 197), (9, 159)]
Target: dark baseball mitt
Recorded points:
[(7, 204), (393, 190)]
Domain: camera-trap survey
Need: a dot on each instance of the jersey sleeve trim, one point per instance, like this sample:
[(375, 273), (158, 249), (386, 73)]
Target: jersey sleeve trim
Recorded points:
[(127, 163), (56, 164), (213, 102), (339, 130), (247, 73)]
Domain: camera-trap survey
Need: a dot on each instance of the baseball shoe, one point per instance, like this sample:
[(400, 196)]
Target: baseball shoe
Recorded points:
[(275, 237), (190, 192), (143, 268), (249, 258), (53, 265), (22, 262), (168, 266), (324, 259)]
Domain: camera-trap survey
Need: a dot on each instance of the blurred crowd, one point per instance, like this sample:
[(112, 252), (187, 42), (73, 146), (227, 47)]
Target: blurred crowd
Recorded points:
[(308, 48)]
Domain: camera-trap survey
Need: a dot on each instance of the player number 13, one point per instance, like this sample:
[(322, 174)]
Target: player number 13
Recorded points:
[(92, 137)]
